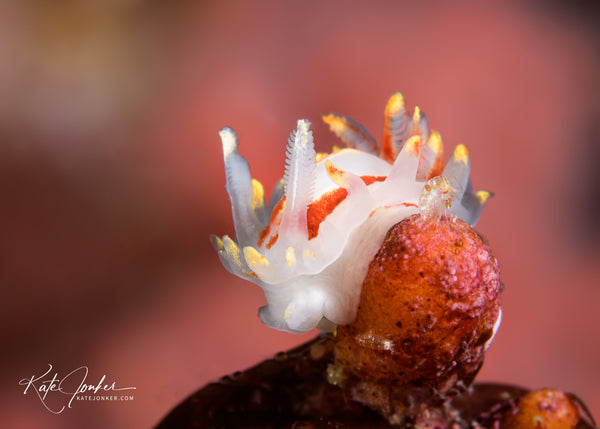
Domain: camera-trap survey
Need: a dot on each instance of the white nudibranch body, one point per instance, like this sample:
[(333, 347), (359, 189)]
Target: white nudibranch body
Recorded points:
[(309, 249)]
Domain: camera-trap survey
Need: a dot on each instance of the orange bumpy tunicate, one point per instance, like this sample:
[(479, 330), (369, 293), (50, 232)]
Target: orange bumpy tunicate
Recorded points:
[(429, 308)]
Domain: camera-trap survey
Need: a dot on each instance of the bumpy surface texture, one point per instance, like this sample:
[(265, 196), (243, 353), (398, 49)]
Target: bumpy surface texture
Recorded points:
[(545, 408), (428, 309)]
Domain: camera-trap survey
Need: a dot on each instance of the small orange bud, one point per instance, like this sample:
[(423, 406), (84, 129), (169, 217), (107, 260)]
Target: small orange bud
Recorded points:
[(543, 409)]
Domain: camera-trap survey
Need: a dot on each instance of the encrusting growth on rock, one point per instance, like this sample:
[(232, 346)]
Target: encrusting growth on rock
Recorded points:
[(429, 308)]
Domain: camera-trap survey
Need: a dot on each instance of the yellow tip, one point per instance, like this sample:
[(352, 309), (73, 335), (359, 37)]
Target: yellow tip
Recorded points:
[(320, 155), (333, 172), (483, 196), (254, 258), (394, 105), (329, 119), (416, 115), (461, 154), (217, 242), (258, 194), (231, 247), (337, 124), (434, 142), (413, 145)]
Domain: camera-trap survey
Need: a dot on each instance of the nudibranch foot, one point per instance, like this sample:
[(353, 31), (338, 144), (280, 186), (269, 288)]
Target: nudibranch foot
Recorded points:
[(310, 247)]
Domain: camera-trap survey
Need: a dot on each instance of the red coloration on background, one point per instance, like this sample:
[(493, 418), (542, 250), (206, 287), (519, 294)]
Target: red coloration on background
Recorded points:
[(111, 177)]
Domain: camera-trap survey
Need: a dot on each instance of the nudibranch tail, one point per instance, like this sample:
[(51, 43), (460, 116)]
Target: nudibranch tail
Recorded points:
[(309, 248)]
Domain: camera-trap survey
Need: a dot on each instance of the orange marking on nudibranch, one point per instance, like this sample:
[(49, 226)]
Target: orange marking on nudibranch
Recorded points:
[(394, 205), (334, 172), (372, 179), (273, 225), (317, 211), (272, 240), (320, 209)]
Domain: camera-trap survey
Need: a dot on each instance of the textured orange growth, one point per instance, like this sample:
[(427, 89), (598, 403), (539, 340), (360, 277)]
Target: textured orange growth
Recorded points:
[(428, 306), (543, 409)]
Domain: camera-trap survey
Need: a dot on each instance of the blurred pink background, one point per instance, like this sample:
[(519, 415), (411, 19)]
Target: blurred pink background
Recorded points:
[(111, 176)]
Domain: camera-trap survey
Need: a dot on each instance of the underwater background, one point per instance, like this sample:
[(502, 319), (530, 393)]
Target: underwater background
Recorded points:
[(111, 176)]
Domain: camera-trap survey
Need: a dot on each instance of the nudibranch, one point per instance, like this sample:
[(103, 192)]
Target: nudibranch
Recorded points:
[(309, 247)]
